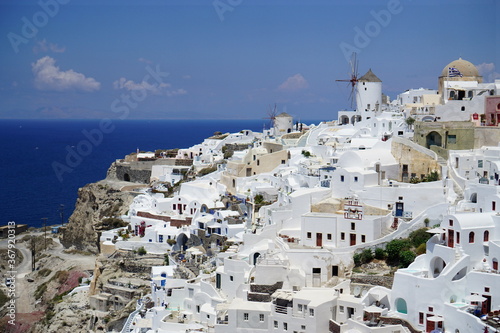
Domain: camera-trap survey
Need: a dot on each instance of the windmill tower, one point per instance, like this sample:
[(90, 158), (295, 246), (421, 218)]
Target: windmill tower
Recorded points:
[(369, 93)]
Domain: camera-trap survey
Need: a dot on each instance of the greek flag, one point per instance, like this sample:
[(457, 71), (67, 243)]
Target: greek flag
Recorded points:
[(453, 72)]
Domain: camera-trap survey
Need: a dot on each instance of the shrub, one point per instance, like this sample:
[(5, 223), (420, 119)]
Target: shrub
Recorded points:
[(406, 258), (421, 249), (141, 251), (380, 253), (306, 153), (420, 236), (357, 259), (366, 256), (394, 248)]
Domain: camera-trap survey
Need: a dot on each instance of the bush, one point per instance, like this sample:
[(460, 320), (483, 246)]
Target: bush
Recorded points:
[(406, 258), (366, 256), (420, 236), (363, 258), (357, 259), (421, 249), (306, 153), (380, 253), (141, 251), (394, 249), (258, 199)]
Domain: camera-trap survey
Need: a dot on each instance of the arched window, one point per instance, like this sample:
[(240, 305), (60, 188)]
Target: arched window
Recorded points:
[(486, 236), (401, 306), (471, 237)]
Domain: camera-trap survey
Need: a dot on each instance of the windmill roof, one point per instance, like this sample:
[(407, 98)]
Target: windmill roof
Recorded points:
[(283, 114), (369, 77)]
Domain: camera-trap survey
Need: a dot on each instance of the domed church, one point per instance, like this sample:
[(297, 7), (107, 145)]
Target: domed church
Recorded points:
[(458, 70)]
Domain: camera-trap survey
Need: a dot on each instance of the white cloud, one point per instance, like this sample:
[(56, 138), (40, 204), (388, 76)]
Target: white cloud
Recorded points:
[(50, 77), (155, 88), (44, 46), (294, 83), (487, 70)]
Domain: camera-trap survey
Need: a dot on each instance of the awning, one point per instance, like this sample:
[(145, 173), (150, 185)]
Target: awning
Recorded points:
[(475, 298), (435, 318), (436, 231)]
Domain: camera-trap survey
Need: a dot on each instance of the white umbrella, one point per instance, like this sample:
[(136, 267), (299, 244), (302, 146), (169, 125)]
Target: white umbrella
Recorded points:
[(436, 231), (475, 298)]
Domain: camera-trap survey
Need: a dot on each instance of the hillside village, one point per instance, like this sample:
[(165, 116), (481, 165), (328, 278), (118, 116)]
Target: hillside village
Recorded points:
[(258, 230)]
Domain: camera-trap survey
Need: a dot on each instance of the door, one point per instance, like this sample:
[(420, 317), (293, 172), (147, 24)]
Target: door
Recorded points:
[(431, 325), (486, 306), (319, 239), (451, 234), (353, 239)]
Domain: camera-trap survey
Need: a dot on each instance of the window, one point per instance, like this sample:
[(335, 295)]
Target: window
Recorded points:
[(329, 236), (356, 179), (261, 317), (341, 309), (353, 226), (299, 307), (363, 238), (160, 238), (471, 237), (451, 223), (458, 237), (285, 326), (275, 324), (342, 236), (231, 278), (341, 178), (486, 236), (311, 312), (452, 139), (486, 289), (245, 316), (303, 327), (258, 162), (283, 161), (493, 205), (480, 163), (421, 318), (309, 235), (431, 309), (197, 309)]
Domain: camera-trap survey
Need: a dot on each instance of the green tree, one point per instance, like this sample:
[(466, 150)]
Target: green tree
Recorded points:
[(410, 121), (406, 258), (166, 260), (394, 248)]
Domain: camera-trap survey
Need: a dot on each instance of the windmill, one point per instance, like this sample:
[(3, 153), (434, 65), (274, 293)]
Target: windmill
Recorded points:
[(353, 80), (272, 112)]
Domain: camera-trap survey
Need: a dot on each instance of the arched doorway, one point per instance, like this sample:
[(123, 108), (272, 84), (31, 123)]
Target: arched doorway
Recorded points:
[(256, 255), (433, 139), (126, 177)]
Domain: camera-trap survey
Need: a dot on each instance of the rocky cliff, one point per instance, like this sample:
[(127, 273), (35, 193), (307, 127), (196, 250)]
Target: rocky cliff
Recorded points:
[(96, 201)]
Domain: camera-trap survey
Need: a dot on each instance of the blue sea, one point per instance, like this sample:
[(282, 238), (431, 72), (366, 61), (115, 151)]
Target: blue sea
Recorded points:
[(44, 162)]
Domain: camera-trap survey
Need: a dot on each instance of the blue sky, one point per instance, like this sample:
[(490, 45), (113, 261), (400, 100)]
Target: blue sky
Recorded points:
[(227, 58)]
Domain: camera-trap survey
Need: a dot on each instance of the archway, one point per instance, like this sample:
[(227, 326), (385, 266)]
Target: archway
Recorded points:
[(433, 139), (126, 177), (256, 255), (182, 240), (437, 266)]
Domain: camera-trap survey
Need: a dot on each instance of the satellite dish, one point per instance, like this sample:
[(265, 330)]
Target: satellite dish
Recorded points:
[(357, 291)]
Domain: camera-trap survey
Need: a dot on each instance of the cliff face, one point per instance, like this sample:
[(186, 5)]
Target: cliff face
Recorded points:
[(95, 202)]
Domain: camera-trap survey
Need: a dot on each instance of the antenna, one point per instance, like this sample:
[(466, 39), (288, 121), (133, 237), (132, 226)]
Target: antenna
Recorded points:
[(353, 80)]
